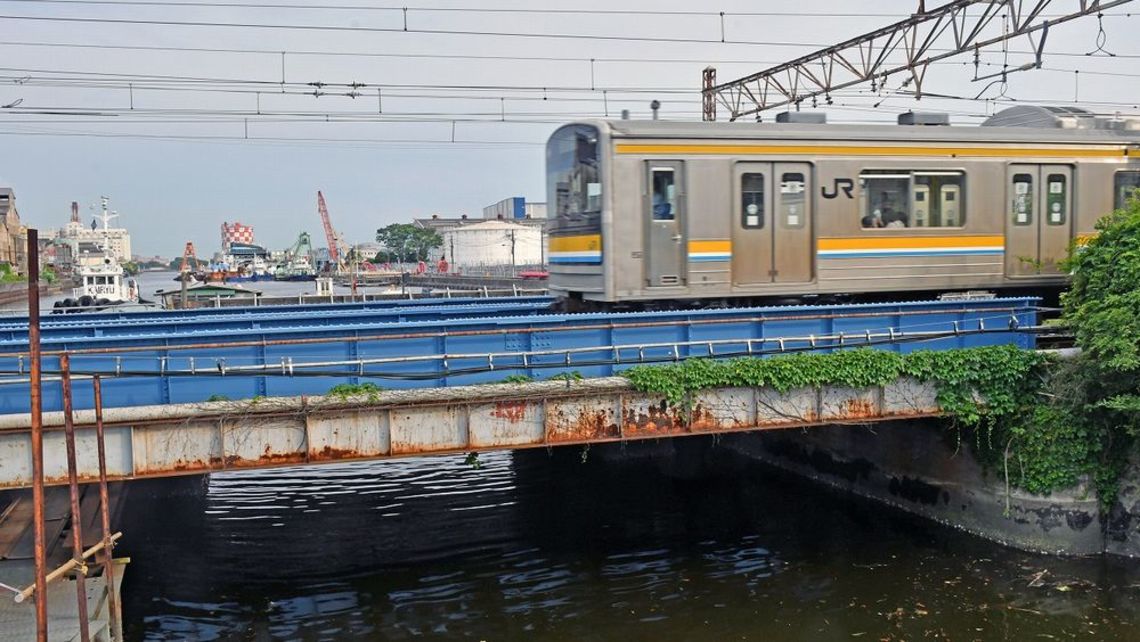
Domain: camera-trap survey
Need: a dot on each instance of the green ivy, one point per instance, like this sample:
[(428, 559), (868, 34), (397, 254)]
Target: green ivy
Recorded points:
[(516, 378), (345, 390), (993, 393), (998, 375)]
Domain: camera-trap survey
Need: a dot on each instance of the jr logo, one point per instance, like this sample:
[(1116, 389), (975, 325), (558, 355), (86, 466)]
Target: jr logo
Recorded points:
[(846, 185)]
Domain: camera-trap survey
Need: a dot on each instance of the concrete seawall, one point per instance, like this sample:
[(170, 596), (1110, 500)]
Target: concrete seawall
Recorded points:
[(917, 466)]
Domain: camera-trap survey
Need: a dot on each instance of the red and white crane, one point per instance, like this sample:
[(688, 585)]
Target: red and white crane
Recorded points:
[(331, 236)]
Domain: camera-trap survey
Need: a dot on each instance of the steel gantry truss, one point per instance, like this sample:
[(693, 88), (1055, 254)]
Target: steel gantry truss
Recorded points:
[(924, 38)]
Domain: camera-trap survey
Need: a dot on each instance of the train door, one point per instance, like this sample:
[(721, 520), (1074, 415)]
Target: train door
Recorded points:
[(665, 223), (791, 244), (752, 231), (1039, 218), (772, 231)]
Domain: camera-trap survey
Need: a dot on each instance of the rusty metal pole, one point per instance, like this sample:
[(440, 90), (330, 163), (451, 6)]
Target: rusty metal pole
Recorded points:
[(73, 485), (33, 255), (108, 543)]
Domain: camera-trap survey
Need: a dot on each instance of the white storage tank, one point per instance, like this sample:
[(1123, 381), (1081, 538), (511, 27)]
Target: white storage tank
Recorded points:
[(492, 243)]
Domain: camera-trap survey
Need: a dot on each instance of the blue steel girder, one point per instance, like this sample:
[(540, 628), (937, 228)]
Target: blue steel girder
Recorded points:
[(193, 366)]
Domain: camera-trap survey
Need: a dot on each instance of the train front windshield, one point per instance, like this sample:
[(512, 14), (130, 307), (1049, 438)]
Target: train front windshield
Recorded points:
[(574, 180)]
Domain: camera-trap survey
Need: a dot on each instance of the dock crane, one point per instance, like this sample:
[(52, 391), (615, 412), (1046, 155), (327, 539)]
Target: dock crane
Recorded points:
[(185, 275), (188, 254), (337, 247)]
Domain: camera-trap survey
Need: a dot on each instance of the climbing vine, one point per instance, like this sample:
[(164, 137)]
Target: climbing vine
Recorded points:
[(974, 385)]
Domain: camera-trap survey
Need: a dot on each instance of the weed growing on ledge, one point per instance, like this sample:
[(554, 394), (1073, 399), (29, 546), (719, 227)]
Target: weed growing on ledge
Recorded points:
[(345, 390)]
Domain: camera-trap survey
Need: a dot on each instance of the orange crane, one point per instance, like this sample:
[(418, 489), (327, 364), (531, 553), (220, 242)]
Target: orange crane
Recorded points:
[(187, 255), (331, 236), (185, 275)]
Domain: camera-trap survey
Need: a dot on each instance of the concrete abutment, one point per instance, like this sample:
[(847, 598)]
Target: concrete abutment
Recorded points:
[(919, 467)]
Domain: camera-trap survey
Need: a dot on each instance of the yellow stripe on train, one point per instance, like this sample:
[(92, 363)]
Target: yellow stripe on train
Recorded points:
[(579, 243), (885, 150)]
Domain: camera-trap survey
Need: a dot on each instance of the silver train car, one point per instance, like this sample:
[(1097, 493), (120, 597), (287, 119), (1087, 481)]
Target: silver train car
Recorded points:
[(686, 212)]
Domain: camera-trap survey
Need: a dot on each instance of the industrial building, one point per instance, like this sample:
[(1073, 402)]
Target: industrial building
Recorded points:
[(512, 233), (12, 243), (514, 208), (81, 238)]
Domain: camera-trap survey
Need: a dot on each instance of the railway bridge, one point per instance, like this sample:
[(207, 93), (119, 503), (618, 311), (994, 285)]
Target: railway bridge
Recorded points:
[(199, 391)]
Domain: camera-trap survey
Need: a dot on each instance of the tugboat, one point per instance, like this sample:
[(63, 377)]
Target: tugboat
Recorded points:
[(102, 285)]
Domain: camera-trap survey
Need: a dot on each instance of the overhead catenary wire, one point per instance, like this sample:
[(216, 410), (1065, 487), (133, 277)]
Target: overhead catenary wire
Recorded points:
[(420, 30), (474, 56), (222, 4), (333, 106)]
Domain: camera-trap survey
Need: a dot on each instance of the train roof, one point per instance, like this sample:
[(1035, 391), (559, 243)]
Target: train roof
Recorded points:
[(1019, 124)]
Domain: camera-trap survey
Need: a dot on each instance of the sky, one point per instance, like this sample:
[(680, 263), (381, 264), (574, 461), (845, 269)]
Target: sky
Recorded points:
[(185, 126)]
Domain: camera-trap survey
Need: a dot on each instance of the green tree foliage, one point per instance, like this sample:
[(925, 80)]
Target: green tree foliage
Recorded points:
[(8, 275), (408, 242), (1102, 307)]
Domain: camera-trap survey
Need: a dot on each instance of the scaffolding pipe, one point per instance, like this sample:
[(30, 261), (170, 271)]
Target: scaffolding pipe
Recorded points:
[(115, 616), (36, 395), (73, 489), (63, 569)]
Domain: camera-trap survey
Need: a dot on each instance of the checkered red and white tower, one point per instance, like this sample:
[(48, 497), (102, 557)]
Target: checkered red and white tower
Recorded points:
[(236, 233)]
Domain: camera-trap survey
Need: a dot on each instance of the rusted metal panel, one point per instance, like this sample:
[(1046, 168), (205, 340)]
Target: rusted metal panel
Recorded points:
[(841, 403), (348, 435), (722, 410), (16, 458), (118, 448), (795, 407), (171, 448), (249, 441), (652, 416), (428, 429), (910, 397), (505, 423), (582, 419), (434, 421)]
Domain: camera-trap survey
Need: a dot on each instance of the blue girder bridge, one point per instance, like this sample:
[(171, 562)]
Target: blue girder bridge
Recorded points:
[(235, 353)]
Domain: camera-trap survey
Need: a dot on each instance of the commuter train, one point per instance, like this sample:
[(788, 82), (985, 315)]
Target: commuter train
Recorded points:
[(691, 213)]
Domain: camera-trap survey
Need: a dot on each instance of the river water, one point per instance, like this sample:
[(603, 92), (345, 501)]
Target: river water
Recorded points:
[(150, 282), (582, 545)]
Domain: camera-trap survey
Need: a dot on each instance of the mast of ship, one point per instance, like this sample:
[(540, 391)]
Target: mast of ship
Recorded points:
[(106, 217)]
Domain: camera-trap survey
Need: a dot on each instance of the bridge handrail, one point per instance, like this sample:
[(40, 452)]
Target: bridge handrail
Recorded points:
[(771, 316), (523, 359)]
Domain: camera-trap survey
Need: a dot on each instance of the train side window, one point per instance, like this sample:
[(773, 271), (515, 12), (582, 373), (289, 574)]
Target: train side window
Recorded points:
[(1124, 187), (905, 199), (664, 194), (937, 199), (885, 200), (792, 200), (752, 201), (1022, 206), (1056, 199)]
